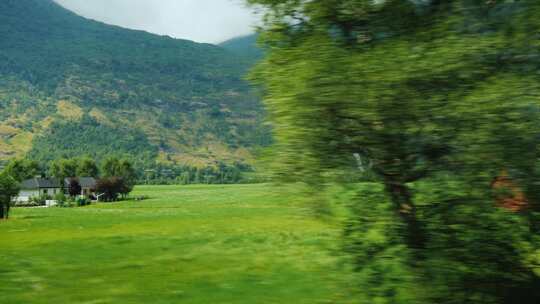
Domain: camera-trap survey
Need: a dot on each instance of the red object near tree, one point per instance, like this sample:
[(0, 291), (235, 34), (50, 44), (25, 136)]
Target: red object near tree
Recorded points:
[(508, 194)]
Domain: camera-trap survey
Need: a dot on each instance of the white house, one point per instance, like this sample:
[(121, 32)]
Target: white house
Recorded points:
[(88, 185), (36, 187)]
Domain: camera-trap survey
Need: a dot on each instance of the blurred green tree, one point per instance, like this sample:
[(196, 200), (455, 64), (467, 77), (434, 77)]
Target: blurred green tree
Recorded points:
[(435, 98)]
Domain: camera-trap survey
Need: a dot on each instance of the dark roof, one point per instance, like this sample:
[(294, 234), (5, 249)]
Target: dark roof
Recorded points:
[(47, 183), (84, 182), (40, 183), (87, 182)]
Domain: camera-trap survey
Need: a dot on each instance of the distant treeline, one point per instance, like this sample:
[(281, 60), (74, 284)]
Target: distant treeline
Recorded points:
[(157, 174), (185, 175)]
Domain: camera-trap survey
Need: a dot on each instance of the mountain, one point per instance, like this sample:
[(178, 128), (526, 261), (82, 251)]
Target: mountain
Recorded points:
[(245, 46), (71, 86)]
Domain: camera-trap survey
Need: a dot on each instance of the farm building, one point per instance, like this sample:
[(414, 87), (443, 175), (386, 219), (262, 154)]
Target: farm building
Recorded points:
[(36, 187), (88, 185)]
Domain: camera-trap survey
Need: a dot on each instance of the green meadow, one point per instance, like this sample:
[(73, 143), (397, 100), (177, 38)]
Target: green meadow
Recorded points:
[(185, 244)]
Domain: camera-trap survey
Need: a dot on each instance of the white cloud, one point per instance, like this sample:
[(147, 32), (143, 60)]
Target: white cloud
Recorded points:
[(210, 21)]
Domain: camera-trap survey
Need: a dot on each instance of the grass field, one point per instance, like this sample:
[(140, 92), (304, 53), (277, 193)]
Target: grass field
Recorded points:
[(186, 244)]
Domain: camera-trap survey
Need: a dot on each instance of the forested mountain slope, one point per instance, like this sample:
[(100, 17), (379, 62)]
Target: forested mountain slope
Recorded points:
[(245, 46), (72, 86)]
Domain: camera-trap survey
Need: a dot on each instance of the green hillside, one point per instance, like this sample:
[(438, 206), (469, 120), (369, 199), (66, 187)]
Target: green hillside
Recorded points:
[(69, 85), (245, 46)]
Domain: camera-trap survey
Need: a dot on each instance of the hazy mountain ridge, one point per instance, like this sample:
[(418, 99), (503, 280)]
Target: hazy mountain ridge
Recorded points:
[(244, 46), (69, 85)]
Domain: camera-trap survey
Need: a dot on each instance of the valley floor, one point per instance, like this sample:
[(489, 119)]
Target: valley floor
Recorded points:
[(186, 244)]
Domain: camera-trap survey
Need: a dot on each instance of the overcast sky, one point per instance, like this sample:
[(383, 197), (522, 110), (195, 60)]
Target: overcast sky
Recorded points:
[(210, 21)]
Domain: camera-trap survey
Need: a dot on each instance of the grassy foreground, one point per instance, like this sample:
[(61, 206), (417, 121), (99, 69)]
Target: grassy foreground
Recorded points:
[(187, 244)]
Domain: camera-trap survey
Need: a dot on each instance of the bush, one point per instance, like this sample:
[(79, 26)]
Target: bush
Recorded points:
[(71, 203), (82, 201), (67, 204), (60, 198), (40, 200), (29, 203)]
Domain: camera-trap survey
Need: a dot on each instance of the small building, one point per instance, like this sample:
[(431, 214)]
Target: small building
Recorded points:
[(88, 185), (36, 187)]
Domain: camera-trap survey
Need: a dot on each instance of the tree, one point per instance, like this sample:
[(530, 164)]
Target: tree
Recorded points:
[(8, 189), (421, 91), (21, 169), (110, 188), (123, 171), (128, 176), (110, 167), (74, 187), (87, 167), (63, 168)]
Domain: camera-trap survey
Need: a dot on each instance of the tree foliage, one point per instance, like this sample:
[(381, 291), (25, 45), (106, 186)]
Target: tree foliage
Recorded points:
[(74, 187), (87, 168), (109, 188), (21, 169), (63, 168), (436, 99), (9, 188), (119, 176)]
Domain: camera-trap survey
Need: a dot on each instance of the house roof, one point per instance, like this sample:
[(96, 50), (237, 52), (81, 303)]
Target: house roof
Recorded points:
[(48, 183), (85, 182), (40, 183)]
